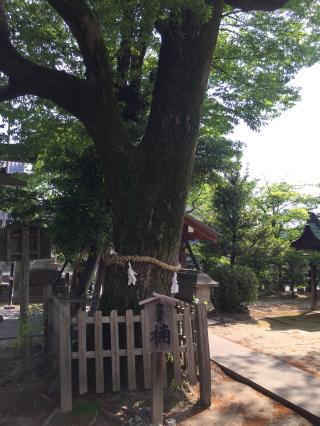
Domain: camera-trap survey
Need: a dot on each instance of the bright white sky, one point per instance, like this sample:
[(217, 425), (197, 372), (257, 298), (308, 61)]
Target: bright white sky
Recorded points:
[(288, 149)]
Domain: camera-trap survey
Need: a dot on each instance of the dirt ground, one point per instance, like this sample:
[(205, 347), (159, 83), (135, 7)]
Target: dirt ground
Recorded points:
[(236, 404), (281, 327), (32, 403)]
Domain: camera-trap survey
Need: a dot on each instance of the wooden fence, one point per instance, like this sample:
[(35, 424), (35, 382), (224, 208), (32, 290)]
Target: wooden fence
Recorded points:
[(70, 339)]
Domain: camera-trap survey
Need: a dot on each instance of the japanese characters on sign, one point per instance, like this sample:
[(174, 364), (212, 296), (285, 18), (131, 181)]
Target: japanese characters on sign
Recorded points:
[(161, 332), (159, 317)]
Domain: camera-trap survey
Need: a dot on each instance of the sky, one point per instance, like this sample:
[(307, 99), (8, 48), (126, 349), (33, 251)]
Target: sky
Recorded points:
[(288, 149)]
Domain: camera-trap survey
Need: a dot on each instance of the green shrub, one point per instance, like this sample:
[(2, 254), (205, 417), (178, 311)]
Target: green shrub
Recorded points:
[(238, 287)]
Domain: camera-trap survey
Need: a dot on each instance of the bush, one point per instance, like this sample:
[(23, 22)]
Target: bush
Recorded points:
[(238, 287)]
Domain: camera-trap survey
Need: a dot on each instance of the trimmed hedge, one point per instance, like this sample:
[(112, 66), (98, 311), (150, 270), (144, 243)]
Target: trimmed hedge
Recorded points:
[(238, 287)]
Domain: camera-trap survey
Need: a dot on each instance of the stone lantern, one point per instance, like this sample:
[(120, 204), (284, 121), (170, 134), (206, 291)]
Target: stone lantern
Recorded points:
[(195, 285)]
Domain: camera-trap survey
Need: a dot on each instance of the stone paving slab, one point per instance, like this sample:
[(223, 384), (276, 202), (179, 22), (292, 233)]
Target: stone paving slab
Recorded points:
[(10, 325), (289, 384)]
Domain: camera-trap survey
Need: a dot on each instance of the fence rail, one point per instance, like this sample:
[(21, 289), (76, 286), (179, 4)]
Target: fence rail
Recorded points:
[(123, 340)]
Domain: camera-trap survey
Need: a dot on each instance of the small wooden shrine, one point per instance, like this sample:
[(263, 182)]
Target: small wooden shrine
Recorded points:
[(310, 240), (23, 243), (310, 237), (194, 230)]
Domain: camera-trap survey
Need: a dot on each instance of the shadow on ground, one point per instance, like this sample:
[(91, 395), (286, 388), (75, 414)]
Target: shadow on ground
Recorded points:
[(309, 321)]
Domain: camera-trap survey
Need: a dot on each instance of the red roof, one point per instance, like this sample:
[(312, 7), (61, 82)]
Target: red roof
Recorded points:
[(198, 230)]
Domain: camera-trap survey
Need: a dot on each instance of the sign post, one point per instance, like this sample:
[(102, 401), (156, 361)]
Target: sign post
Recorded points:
[(24, 291), (159, 314), (22, 243)]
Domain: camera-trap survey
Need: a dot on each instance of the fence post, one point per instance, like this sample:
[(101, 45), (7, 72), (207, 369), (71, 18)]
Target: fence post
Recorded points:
[(204, 356), (56, 322), (82, 351), (145, 351), (157, 363), (115, 360), (189, 345), (131, 359), (65, 357), (24, 331), (47, 315), (98, 345)]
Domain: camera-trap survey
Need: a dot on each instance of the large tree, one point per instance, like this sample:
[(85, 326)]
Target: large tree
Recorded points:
[(136, 80)]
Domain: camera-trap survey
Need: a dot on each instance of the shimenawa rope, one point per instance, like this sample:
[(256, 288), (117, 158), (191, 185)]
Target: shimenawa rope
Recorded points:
[(112, 259)]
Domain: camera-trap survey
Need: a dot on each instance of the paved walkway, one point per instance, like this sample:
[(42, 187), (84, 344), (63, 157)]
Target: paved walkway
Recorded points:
[(9, 326), (293, 386)]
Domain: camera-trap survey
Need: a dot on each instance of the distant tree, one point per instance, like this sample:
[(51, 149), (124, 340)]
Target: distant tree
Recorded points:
[(231, 202), (257, 225), (283, 212)]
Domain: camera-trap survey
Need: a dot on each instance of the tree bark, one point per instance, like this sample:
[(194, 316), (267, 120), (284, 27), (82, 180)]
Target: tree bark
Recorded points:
[(149, 201)]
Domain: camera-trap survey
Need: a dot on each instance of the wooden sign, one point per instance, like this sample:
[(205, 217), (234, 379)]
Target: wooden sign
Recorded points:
[(159, 316), (11, 243)]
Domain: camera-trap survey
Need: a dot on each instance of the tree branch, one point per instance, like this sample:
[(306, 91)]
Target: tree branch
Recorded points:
[(92, 101), (102, 117), (27, 77), (193, 203), (9, 92), (265, 5), (84, 26)]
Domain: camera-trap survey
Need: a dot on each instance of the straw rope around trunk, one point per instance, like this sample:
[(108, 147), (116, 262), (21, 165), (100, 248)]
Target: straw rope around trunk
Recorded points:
[(115, 259)]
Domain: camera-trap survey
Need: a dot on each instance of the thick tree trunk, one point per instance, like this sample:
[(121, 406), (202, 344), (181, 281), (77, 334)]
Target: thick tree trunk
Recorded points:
[(150, 194)]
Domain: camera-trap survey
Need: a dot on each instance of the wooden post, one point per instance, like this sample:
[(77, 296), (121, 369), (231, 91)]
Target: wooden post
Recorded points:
[(204, 356), (65, 357), (47, 295), (98, 344), (145, 350), (176, 351), (157, 361), (24, 291), (313, 285), (115, 360), (157, 326), (82, 351), (25, 268), (131, 359), (190, 346)]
